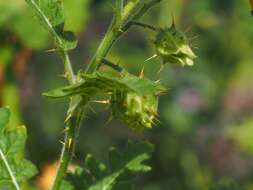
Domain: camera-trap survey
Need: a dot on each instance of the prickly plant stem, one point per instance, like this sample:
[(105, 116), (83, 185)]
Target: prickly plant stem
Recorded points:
[(103, 49), (66, 154), (72, 124), (69, 73), (116, 29), (111, 34), (68, 147)]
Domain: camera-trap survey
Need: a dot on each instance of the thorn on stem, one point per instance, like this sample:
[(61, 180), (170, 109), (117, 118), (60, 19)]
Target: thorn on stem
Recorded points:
[(101, 101), (152, 57), (141, 75), (50, 50), (161, 68), (70, 142), (62, 143), (65, 130), (158, 81)]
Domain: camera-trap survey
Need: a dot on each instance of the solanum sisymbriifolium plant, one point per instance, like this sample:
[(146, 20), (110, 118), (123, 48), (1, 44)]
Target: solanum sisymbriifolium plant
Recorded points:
[(132, 99)]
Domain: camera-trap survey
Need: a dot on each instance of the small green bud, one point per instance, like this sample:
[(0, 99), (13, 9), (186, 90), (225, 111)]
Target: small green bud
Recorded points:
[(138, 112), (173, 46)]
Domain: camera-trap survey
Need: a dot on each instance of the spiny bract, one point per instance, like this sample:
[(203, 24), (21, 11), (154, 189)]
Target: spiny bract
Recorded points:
[(173, 46), (138, 112)]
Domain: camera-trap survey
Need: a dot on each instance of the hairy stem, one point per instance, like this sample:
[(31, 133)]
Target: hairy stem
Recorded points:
[(13, 178)]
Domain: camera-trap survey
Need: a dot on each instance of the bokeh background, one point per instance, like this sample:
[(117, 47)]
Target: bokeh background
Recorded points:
[(205, 137)]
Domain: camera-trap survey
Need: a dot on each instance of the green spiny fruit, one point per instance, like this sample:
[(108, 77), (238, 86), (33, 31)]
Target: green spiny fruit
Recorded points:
[(173, 46), (138, 112)]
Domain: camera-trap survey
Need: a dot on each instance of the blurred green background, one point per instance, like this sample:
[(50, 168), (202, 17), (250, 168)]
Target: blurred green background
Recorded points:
[(205, 138)]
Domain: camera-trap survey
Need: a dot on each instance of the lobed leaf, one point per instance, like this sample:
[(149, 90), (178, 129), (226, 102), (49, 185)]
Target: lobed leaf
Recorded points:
[(51, 16), (12, 143), (93, 84), (123, 166)]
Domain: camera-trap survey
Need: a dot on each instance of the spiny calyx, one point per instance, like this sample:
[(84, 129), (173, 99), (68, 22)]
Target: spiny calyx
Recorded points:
[(173, 46), (137, 111)]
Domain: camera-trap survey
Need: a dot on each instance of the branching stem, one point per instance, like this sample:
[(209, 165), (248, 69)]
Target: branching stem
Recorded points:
[(143, 25), (72, 124), (111, 65), (69, 73), (121, 22), (112, 34), (118, 28), (139, 14)]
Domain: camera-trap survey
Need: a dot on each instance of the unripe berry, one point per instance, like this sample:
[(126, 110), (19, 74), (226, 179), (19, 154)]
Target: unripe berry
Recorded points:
[(173, 46), (138, 112)]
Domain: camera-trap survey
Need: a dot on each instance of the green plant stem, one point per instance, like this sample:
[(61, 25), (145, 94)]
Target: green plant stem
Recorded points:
[(67, 150), (69, 73), (111, 35), (143, 25), (138, 15), (119, 25), (13, 178), (68, 147), (111, 65), (117, 29), (73, 120), (103, 49)]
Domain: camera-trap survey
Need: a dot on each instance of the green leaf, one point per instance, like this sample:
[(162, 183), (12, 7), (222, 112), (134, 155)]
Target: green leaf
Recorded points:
[(4, 117), (92, 84), (51, 15), (123, 166), (12, 144)]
